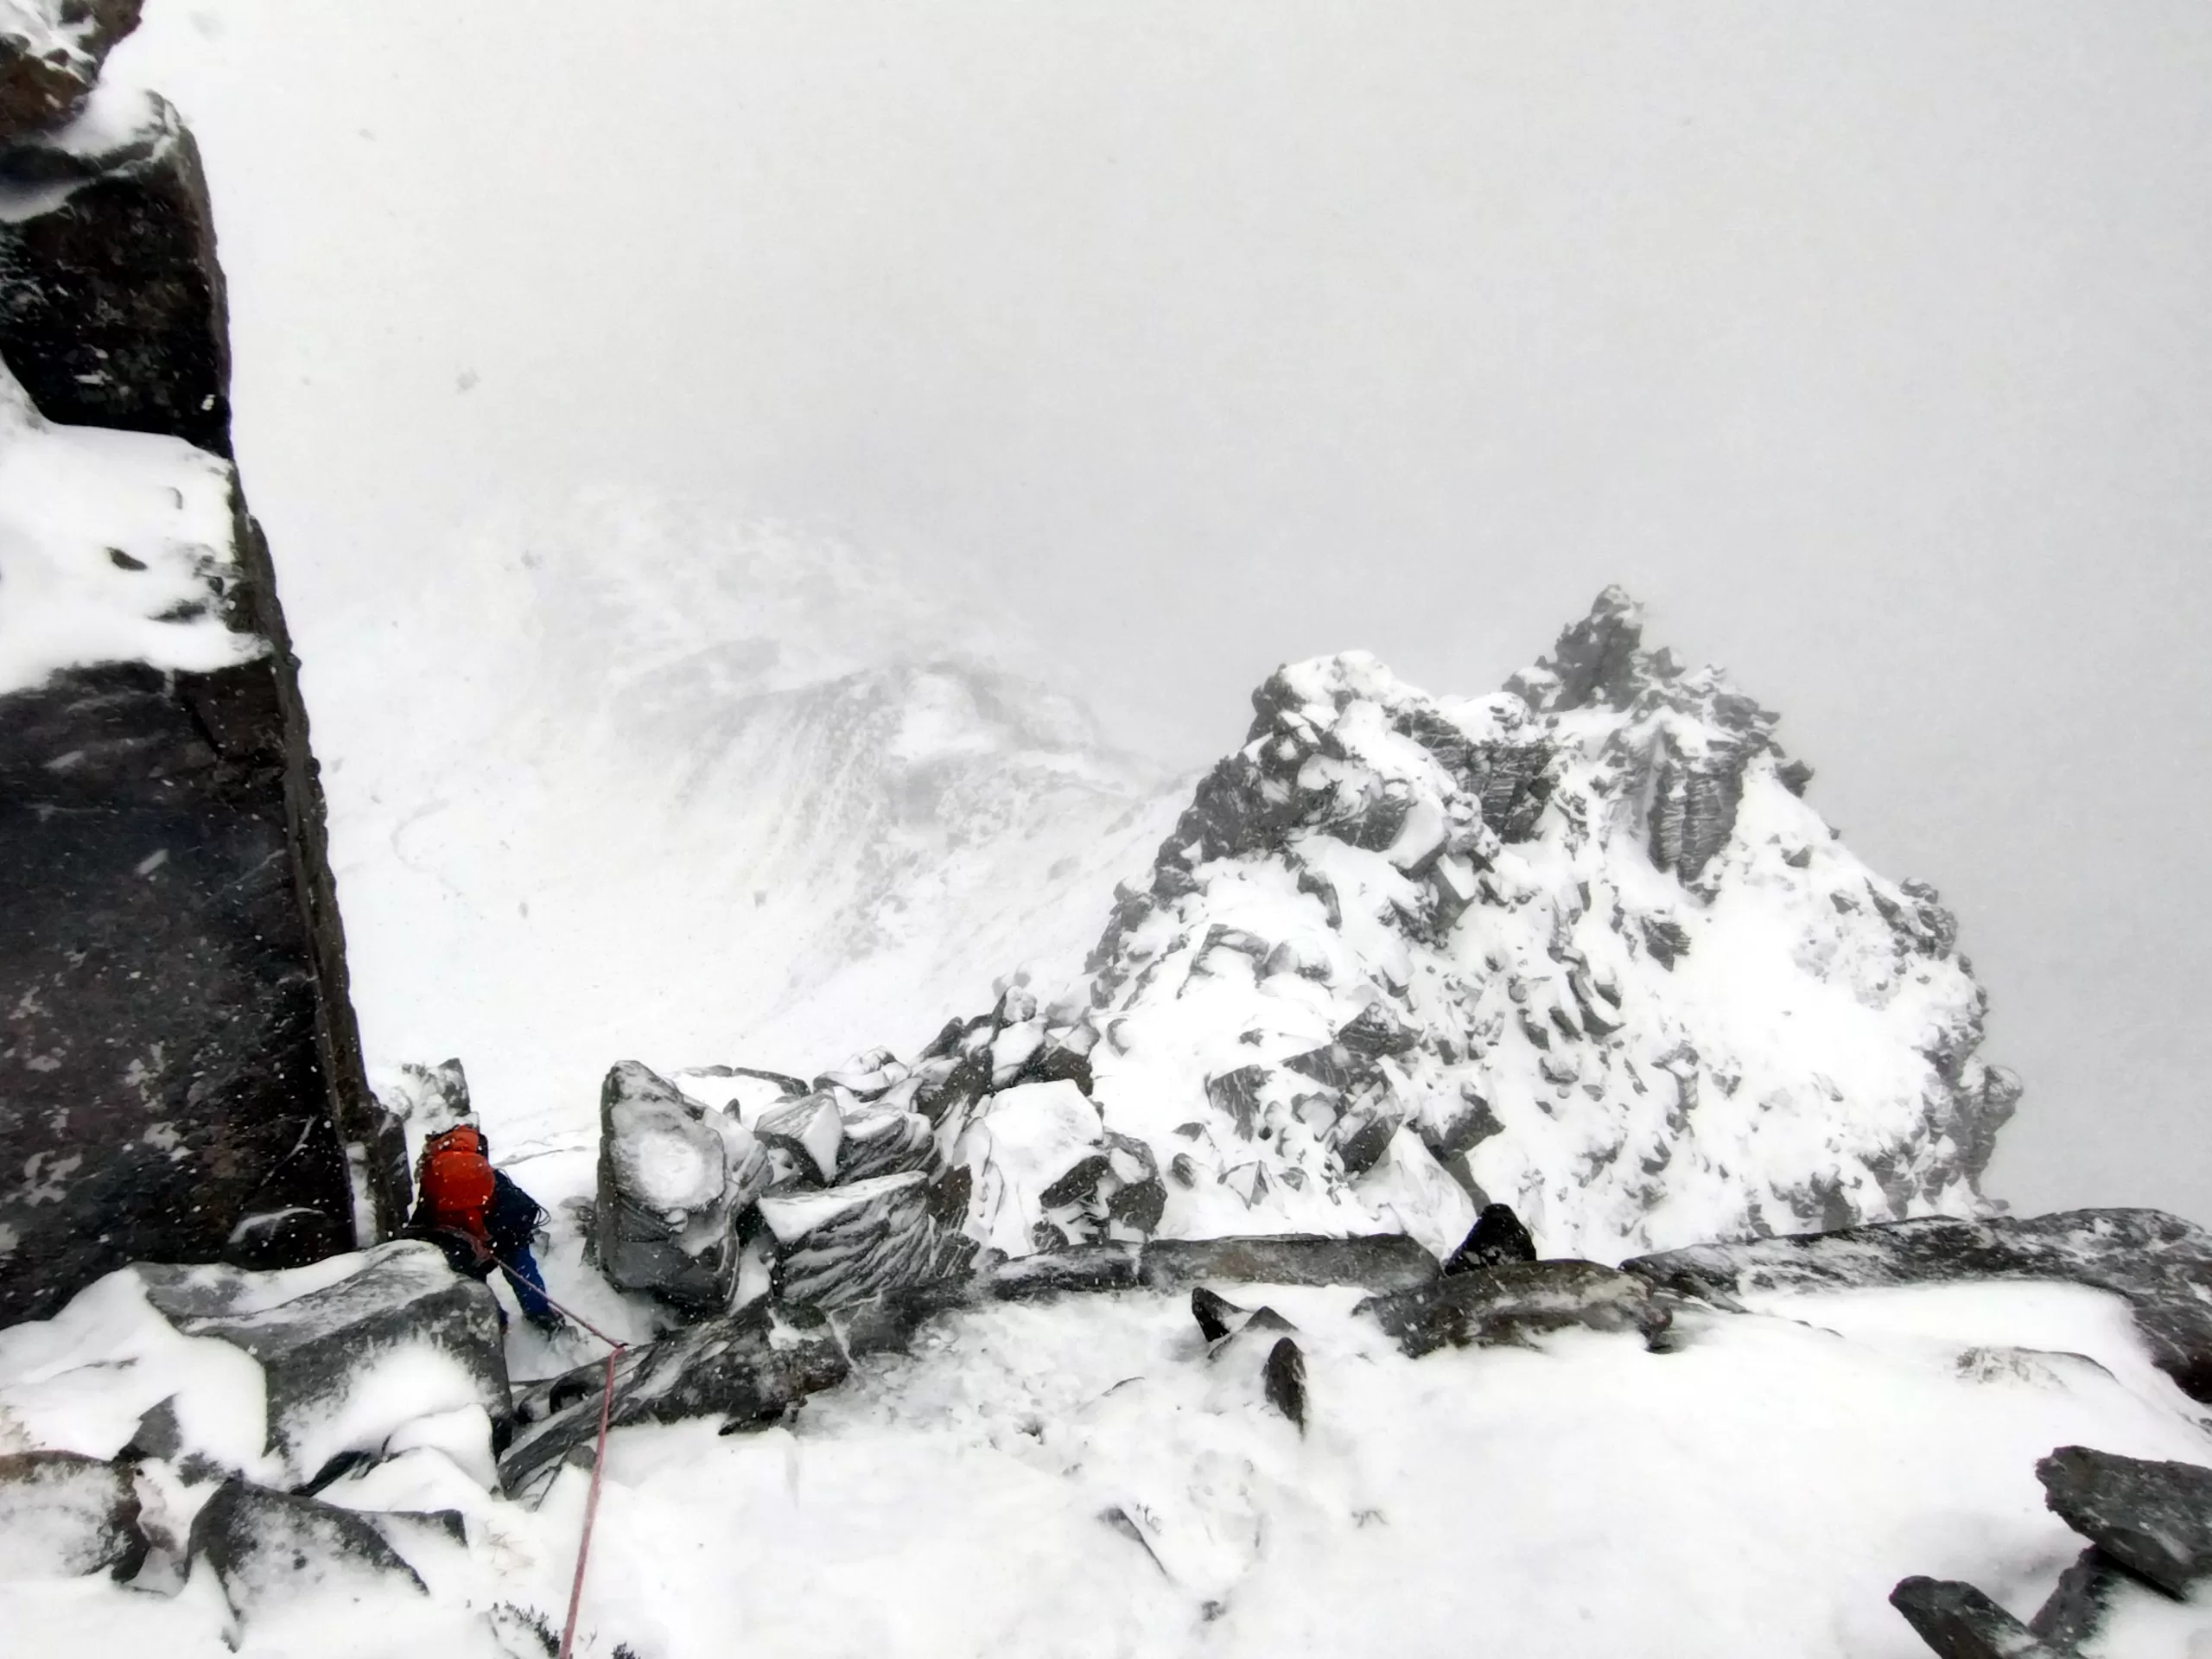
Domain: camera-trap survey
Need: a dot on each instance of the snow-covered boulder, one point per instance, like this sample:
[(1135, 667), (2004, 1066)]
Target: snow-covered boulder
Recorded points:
[(50, 56), (275, 1376), (673, 1176), (1512, 1303), (63, 1514), (272, 1552)]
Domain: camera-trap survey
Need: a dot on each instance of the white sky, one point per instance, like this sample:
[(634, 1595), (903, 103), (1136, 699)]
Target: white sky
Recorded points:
[(1869, 344)]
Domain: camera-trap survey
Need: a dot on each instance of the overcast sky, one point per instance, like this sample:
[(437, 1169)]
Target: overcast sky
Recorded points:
[(1871, 345)]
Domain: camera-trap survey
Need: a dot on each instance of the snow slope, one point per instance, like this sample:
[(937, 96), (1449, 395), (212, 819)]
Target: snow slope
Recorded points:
[(651, 780), (1077, 1478)]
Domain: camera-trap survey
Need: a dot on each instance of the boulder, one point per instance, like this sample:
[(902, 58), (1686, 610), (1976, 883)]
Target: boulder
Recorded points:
[(2154, 1519), (810, 1131), (1959, 1622), (330, 1339), (1383, 1261), (1037, 1152), (844, 1243), (2160, 1265), (270, 1549), (1216, 1314), (50, 56), (2076, 1608), (63, 1517), (747, 1368), (1283, 1379), (1511, 1304), (673, 1176), (1496, 1238)]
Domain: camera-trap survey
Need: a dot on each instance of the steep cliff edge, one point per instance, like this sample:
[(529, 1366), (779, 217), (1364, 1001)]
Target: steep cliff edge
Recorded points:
[(179, 1072)]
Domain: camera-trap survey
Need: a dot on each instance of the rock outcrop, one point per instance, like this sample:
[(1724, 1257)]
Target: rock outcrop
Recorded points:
[(180, 1071), (2160, 1265), (63, 1516)]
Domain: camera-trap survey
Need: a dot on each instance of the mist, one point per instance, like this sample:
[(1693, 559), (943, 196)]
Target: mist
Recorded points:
[(1867, 346)]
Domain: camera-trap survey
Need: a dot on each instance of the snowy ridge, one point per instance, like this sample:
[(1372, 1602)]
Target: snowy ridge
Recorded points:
[(1581, 943)]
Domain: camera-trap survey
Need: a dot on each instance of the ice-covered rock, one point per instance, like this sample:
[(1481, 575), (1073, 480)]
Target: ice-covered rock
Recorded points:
[(746, 1368), (351, 1351), (1958, 1622), (50, 56), (858, 1239), (673, 1176), (1516, 1302), (1381, 1262), (271, 1551), (63, 1516), (2154, 1518), (2160, 1265)]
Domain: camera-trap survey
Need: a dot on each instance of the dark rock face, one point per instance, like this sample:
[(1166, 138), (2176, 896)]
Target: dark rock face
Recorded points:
[(50, 55), (2159, 1264), (63, 1517), (2154, 1519), (313, 1346), (1957, 1620), (1385, 1261), (2077, 1608), (267, 1548), (111, 302), (747, 1367), (1058, 1272), (179, 1069), (1511, 1304), (1496, 1238)]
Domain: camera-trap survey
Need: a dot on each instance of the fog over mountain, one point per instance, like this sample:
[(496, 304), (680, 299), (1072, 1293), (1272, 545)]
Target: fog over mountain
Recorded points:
[(1866, 351)]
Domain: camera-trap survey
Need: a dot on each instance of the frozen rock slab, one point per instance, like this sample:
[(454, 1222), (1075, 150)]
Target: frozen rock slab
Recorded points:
[(50, 56), (270, 1550), (747, 1369), (1959, 1622), (673, 1176), (350, 1348), (63, 1517), (1512, 1303), (1054, 1273), (1381, 1262), (2160, 1265), (2078, 1607), (844, 1243), (2153, 1518)]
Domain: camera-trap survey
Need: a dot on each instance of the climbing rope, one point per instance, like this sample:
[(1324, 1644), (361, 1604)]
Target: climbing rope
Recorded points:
[(615, 1349)]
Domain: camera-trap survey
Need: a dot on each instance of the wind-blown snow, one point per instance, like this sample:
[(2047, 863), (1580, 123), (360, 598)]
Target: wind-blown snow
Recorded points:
[(114, 547), (1075, 1477)]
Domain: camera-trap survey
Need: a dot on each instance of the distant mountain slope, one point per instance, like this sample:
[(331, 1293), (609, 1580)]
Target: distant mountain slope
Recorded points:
[(659, 782), (1581, 942)]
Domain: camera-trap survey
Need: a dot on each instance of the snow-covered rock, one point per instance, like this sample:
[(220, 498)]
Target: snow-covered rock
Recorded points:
[(179, 1055), (63, 1514), (272, 1551), (1584, 939), (2154, 1518), (2159, 1266), (275, 1376), (673, 1176), (50, 56)]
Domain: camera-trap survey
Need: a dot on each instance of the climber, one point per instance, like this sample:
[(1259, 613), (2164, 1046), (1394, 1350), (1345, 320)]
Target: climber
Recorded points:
[(480, 1218)]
